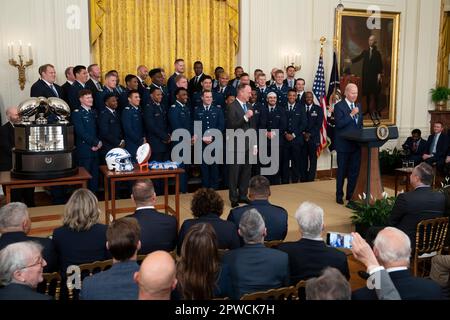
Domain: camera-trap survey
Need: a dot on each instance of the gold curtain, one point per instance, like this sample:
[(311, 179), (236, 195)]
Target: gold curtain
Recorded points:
[(127, 33)]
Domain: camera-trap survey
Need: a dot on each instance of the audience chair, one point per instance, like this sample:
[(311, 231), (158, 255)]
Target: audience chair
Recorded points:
[(300, 289), (273, 243), (141, 257), (430, 237), (51, 285), (285, 293)]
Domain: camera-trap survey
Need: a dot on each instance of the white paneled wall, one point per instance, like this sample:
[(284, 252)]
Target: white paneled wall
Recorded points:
[(58, 31), (270, 28)]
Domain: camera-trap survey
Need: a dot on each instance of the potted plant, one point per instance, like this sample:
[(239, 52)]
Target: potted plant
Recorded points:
[(389, 160), (439, 96), (366, 215)]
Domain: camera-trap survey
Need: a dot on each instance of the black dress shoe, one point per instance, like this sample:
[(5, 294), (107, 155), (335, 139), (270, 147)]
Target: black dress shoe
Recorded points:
[(351, 205), (245, 200), (340, 201), (363, 274), (234, 204)]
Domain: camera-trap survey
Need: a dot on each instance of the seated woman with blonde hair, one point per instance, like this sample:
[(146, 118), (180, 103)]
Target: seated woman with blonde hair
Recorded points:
[(81, 239)]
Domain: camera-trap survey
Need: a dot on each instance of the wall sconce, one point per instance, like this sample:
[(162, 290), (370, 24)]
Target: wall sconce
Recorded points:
[(293, 59), (21, 65)]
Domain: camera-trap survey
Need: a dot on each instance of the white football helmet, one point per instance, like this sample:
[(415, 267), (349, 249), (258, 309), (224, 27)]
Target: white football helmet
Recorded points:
[(119, 159)]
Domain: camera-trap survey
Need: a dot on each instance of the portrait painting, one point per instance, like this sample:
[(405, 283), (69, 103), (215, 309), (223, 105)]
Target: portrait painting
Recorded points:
[(367, 50)]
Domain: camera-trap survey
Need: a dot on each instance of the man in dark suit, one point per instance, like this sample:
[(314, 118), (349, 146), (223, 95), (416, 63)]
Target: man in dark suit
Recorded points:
[(372, 70), (116, 283), (310, 255), (311, 135), (21, 273), (144, 92), (300, 88), (237, 74), (223, 90), (15, 224), (171, 83), (436, 147), (239, 115), (414, 147), (6, 144), (275, 217), (94, 83), (132, 83), (420, 204), (196, 100), (81, 76), (46, 86), (392, 249), (158, 82), (158, 230), (217, 72), (348, 119), (254, 267), (70, 80), (293, 138), (195, 84), (290, 77)]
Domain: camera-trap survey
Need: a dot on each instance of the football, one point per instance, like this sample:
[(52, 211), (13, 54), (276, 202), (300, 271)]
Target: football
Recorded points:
[(143, 153)]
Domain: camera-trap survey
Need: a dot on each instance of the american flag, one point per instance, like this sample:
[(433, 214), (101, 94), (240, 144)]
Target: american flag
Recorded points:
[(320, 99)]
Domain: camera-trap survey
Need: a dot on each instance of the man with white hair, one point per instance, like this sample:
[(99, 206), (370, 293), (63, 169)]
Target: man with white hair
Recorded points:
[(21, 267), (6, 144), (254, 267), (15, 224), (310, 255), (392, 249), (156, 277)]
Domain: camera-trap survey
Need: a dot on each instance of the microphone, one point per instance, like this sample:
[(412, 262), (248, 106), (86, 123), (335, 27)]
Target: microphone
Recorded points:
[(375, 119)]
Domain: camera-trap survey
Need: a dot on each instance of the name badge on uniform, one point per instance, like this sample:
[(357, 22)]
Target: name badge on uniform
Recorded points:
[(314, 114)]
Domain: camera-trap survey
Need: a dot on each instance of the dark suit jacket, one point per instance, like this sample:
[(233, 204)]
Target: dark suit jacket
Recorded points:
[(226, 231), (41, 89), (275, 218), (256, 268), (441, 147), (308, 258), (65, 88), (235, 120), (73, 99), (158, 230), (116, 283), (412, 207), (416, 155), (48, 252), (75, 248), (409, 288), (372, 66), (6, 145), (195, 87), (345, 124), (91, 86), (16, 291)]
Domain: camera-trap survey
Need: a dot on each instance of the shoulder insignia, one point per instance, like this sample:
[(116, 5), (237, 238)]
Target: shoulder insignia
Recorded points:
[(127, 108), (76, 110), (173, 106)]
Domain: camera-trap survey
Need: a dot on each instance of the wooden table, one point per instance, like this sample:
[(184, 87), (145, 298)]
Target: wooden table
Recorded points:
[(81, 178), (402, 172), (111, 177)]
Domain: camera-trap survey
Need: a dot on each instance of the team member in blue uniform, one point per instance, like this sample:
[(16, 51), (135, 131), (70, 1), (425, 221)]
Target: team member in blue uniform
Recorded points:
[(180, 118), (110, 87), (81, 77), (223, 90), (132, 83), (86, 139), (109, 126), (132, 124), (256, 106), (158, 82), (314, 117), (197, 97), (273, 117), (280, 88), (262, 89), (293, 138), (212, 118), (171, 82)]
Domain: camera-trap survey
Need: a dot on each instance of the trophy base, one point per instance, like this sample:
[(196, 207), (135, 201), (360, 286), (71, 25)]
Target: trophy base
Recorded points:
[(43, 165)]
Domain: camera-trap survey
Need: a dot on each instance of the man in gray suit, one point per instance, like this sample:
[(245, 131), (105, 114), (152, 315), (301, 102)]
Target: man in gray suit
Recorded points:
[(239, 115), (117, 283)]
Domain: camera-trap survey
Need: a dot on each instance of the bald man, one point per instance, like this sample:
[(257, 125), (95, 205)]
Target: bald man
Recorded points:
[(348, 120), (6, 145), (156, 277)]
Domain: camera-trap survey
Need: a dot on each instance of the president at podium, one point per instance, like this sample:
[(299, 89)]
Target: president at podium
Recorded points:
[(348, 118)]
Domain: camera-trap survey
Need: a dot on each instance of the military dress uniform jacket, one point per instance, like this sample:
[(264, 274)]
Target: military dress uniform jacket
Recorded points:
[(156, 126), (296, 122), (133, 128), (211, 119), (86, 137)]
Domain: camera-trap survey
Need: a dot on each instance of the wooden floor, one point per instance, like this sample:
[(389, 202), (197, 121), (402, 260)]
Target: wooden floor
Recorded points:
[(337, 217)]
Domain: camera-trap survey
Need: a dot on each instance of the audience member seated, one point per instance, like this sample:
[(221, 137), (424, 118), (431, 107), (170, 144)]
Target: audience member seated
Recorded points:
[(15, 224), (199, 273), (156, 277), (310, 255), (437, 147), (21, 267), (81, 239), (414, 147), (420, 204), (440, 270), (392, 248), (275, 217), (207, 207), (255, 267), (158, 230), (331, 285), (122, 241)]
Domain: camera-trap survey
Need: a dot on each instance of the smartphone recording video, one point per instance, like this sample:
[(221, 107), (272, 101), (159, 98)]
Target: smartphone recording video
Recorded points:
[(339, 240)]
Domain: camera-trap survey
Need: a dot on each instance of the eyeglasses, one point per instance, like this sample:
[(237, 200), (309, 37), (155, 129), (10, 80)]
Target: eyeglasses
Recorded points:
[(40, 261)]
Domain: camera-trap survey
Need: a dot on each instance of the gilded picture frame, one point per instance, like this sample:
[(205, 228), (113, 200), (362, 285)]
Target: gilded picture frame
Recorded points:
[(367, 48)]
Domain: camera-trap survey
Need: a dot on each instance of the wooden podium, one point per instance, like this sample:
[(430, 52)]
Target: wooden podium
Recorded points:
[(369, 178)]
